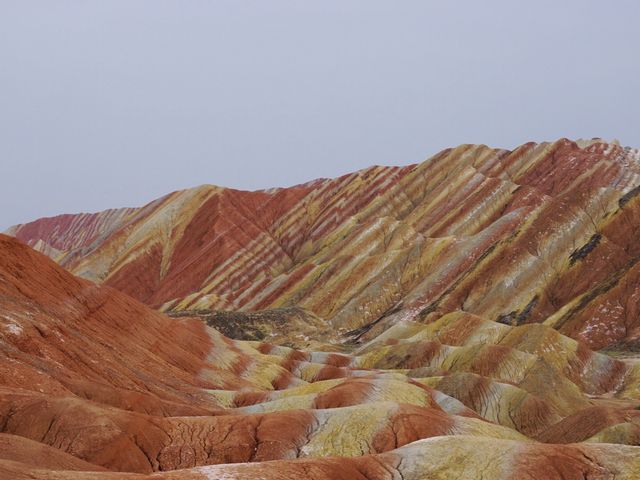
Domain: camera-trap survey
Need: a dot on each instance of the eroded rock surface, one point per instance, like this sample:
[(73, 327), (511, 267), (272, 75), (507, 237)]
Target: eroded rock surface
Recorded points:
[(94, 384), (442, 320), (554, 224)]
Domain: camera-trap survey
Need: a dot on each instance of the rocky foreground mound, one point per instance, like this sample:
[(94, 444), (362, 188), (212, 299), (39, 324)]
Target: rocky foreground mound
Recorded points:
[(547, 233), (95, 385)]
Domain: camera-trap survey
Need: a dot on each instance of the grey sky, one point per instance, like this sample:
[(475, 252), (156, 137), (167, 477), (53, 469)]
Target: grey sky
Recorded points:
[(113, 103)]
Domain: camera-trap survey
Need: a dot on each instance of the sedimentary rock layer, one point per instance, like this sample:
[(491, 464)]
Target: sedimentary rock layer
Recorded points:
[(94, 384), (546, 233)]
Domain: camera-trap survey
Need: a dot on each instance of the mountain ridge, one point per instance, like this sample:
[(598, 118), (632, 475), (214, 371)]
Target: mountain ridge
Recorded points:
[(317, 244), (476, 315)]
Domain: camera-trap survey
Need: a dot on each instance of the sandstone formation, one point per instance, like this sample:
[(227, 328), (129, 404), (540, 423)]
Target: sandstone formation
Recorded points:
[(553, 224), (473, 316), (93, 384)]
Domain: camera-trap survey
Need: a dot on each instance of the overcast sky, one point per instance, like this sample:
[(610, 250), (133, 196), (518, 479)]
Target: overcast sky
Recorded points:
[(113, 103)]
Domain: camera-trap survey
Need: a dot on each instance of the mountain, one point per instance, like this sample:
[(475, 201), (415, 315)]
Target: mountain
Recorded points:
[(94, 384), (546, 233)]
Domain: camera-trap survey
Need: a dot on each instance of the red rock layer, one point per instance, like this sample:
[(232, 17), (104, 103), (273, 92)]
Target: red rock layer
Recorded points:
[(544, 233), (94, 384)]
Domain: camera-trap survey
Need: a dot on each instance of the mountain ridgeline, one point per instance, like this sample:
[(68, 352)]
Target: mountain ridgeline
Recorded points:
[(473, 316), (546, 233)]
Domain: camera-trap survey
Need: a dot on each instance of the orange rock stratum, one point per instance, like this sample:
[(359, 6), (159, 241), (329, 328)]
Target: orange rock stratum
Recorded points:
[(473, 316)]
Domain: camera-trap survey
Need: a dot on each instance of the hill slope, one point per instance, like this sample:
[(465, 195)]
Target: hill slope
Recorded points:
[(544, 233), (93, 384)]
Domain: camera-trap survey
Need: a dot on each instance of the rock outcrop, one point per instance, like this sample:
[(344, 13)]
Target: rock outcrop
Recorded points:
[(546, 233), (473, 316), (94, 384)]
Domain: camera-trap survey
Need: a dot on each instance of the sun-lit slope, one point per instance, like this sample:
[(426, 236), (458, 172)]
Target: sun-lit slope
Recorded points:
[(553, 224), (91, 379)]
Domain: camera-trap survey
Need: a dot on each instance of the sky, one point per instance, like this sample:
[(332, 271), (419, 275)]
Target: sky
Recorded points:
[(114, 103)]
